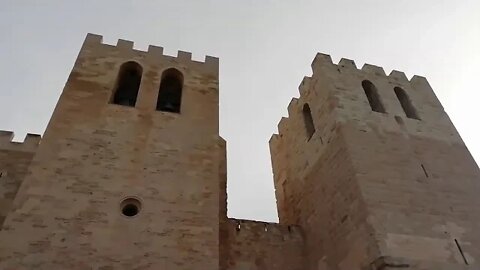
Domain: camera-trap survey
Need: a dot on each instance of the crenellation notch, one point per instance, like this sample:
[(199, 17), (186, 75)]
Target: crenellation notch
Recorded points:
[(29, 144)]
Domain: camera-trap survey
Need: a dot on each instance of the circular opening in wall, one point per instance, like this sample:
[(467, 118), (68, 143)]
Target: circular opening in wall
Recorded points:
[(130, 207)]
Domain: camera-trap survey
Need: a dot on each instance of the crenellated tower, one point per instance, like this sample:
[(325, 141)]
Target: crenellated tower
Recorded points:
[(369, 173), (374, 172), (127, 175)]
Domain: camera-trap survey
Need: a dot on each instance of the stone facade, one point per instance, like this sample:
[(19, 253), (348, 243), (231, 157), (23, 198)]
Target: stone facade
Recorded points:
[(375, 189), (361, 182), (15, 159)]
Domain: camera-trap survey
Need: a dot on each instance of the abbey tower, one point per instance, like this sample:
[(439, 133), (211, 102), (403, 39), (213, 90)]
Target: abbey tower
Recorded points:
[(369, 173), (111, 150), (374, 172)]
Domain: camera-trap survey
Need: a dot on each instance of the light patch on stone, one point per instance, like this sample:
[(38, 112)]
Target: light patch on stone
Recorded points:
[(419, 247)]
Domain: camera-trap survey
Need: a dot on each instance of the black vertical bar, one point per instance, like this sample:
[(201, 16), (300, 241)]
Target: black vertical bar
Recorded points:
[(461, 252), (424, 171)]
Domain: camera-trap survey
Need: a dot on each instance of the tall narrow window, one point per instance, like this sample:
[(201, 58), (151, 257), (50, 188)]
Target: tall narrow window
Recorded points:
[(372, 96), (406, 103), (128, 83), (170, 93), (308, 120)]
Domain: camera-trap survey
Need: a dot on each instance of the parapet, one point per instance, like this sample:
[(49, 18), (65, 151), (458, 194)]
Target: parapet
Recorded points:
[(248, 244), (325, 70), (323, 61), (29, 144), (274, 230), (210, 63)]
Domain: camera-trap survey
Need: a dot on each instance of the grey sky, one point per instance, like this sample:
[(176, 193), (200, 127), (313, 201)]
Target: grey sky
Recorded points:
[(265, 49)]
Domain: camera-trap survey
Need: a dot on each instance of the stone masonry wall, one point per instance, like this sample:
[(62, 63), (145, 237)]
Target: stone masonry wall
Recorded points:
[(411, 184), (14, 161), (95, 154), (368, 190), (253, 245), (315, 181), (417, 177)]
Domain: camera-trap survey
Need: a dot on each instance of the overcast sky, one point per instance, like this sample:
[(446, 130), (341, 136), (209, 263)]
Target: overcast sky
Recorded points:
[(265, 49)]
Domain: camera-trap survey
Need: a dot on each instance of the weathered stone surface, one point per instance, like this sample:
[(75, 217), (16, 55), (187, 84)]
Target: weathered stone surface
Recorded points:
[(372, 185), (256, 245), (15, 158), (94, 154), (366, 191)]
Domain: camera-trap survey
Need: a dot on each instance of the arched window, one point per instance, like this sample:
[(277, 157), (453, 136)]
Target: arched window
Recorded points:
[(170, 93), (372, 96), (406, 103), (308, 120), (128, 83)]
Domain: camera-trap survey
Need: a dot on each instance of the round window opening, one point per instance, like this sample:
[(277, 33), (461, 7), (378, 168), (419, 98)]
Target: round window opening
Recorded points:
[(130, 207)]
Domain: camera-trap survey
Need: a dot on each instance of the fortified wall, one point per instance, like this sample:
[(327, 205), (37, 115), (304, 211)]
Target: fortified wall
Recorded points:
[(131, 173), (247, 244), (15, 158)]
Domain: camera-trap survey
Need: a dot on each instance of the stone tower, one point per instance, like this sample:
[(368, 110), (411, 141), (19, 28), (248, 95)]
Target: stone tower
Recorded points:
[(374, 172), (369, 172), (124, 177)]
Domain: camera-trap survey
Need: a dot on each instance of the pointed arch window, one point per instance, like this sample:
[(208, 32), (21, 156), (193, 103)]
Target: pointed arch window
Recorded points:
[(372, 95), (406, 103), (308, 121), (170, 92), (128, 84)]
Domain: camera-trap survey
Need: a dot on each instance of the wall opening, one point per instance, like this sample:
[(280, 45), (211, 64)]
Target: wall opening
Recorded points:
[(128, 84), (130, 207), (372, 95), (170, 92), (406, 103), (308, 120), (238, 226)]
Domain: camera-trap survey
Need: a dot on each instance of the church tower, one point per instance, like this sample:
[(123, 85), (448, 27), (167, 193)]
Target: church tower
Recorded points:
[(369, 173), (374, 172), (128, 173)]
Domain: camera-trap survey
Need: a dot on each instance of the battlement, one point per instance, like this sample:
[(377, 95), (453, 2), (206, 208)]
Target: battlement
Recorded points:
[(273, 229), (249, 244), (324, 61), (210, 63), (345, 75), (29, 144)]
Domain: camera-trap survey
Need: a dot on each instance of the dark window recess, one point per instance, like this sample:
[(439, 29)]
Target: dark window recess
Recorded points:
[(373, 97), (128, 83), (170, 93), (308, 121), (406, 103)]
